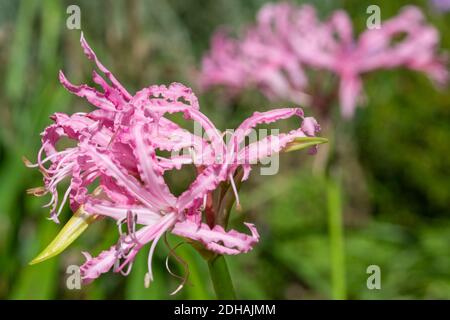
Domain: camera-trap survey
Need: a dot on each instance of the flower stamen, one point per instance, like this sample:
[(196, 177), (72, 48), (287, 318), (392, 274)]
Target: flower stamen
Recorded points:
[(236, 195)]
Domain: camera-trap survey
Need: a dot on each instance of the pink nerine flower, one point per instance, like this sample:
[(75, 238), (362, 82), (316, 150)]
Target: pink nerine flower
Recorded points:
[(287, 39), (115, 153), (264, 57), (441, 5)]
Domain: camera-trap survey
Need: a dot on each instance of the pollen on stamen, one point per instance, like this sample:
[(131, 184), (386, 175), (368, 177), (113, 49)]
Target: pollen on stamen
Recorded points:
[(236, 195), (147, 280), (27, 162), (38, 191), (191, 152), (205, 199)]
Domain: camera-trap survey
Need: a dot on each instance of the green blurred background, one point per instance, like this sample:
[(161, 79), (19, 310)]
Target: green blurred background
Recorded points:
[(396, 177)]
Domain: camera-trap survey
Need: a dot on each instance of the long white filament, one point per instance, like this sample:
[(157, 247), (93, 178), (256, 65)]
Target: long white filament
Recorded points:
[(236, 195)]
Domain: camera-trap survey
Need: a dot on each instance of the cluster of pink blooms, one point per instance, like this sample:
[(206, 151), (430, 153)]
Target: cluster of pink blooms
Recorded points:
[(441, 5), (115, 153), (276, 53)]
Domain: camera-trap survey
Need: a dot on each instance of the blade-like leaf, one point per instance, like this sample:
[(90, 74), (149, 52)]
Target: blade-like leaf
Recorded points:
[(304, 142), (68, 234)]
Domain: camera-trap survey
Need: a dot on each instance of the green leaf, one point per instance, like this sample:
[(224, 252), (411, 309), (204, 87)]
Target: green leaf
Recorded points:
[(304, 142), (68, 234), (135, 288), (197, 288), (39, 282), (221, 279)]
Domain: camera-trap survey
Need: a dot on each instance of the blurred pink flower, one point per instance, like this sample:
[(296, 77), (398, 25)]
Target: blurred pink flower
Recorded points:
[(287, 40), (441, 5), (264, 57), (115, 149)]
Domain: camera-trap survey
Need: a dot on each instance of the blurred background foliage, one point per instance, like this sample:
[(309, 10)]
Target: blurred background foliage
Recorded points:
[(397, 180)]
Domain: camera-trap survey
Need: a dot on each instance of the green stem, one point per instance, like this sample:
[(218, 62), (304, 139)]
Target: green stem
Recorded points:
[(335, 225), (221, 279)]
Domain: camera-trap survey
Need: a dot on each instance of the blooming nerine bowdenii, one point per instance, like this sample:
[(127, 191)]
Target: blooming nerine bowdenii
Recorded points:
[(115, 171)]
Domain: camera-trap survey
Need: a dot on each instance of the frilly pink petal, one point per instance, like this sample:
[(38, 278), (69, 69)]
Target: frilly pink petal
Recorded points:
[(264, 117), (273, 144), (110, 168), (144, 215), (310, 126), (349, 91), (94, 267), (217, 239), (205, 182), (93, 96), (91, 55), (150, 173)]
